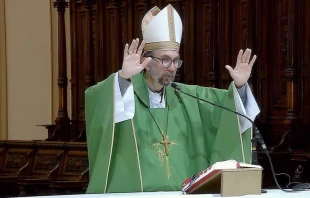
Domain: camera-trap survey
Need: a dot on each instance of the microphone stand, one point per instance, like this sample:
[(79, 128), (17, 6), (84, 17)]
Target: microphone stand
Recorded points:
[(254, 151), (255, 140)]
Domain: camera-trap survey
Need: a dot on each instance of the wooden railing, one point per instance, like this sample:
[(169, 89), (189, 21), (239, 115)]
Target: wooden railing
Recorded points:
[(29, 168), (42, 168)]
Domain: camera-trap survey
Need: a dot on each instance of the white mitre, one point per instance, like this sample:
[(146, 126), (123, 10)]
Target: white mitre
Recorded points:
[(162, 29)]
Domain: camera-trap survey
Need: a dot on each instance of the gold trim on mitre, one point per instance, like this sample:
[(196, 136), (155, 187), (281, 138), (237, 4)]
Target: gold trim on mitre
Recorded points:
[(148, 17), (165, 45), (171, 23)]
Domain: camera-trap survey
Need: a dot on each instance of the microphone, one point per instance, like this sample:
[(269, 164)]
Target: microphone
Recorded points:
[(257, 136)]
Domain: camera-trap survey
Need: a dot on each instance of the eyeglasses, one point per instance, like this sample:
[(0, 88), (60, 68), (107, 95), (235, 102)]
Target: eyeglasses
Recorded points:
[(166, 62)]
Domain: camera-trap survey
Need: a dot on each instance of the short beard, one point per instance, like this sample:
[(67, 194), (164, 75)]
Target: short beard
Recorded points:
[(160, 79), (165, 82)]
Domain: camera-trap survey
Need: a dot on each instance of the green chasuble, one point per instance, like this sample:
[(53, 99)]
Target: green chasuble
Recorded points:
[(134, 156)]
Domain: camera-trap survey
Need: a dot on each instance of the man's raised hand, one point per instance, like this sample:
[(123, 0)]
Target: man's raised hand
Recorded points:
[(132, 57), (242, 71)]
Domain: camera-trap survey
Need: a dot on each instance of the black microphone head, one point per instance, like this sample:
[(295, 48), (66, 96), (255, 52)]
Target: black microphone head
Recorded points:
[(175, 86)]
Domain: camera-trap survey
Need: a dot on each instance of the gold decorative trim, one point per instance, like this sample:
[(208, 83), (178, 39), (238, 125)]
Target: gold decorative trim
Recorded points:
[(251, 144), (112, 141), (3, 75), (171, 24), (134, 134), (165, 45)]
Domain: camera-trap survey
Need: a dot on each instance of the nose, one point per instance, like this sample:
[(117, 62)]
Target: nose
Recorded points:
[(171, 68)]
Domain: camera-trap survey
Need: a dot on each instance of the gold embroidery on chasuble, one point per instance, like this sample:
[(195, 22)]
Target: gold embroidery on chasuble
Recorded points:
[(162, 150)]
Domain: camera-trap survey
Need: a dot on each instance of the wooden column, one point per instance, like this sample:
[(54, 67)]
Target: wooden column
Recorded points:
[(292, 55), (207, 42), (261, 66), (189, 40), (118, 29), (213, 49), (305, 71), (224, 44), (88, 45), (292, 58), (62, 121), (88, 65)]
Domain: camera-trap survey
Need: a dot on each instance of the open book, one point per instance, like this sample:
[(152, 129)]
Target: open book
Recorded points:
[(198, 180)]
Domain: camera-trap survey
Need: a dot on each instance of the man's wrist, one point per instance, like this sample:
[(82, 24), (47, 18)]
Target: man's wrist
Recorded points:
[(120, 74), (239, 87)]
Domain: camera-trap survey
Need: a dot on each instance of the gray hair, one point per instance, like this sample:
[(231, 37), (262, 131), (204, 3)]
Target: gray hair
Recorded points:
[(148, 53)]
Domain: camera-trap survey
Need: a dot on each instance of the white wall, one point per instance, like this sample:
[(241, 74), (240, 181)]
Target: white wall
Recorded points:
[(31, 67)]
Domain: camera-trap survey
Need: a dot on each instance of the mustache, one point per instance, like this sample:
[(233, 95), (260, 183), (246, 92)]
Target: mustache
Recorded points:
[(169, 74)]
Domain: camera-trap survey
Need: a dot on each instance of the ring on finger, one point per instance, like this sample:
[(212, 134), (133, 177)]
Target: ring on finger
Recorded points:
[(130, 52)]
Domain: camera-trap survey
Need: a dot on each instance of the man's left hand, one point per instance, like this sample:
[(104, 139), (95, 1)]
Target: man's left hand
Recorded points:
[(242, 71)]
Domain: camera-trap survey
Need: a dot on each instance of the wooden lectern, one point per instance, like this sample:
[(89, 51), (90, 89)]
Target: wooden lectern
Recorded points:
[(229, 182)]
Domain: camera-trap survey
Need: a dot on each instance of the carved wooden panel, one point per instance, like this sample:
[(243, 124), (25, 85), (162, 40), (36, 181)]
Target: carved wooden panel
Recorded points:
[(15, 160), (33, 167), (2, 153), (46, 162), (75, 166), (279, 47)]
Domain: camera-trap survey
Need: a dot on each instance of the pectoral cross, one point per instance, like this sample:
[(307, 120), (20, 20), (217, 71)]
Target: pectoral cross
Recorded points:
[(165, 143)]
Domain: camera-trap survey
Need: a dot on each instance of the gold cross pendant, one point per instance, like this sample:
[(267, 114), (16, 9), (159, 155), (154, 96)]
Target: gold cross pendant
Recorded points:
[(165, 142)]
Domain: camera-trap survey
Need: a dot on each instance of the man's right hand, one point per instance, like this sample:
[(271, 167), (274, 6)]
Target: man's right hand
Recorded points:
[(132, 57)]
